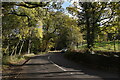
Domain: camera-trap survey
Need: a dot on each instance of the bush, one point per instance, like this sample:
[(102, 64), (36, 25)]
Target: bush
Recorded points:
[(97, 59)]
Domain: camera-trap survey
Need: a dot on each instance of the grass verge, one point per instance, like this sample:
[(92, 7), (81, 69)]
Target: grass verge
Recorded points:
[(104, 46), (14, 60)]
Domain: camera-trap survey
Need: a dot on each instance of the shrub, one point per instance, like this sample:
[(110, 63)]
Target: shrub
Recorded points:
[(100, 58)]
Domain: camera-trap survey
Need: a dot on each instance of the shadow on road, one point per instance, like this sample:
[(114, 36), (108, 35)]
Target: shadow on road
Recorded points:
[(71, 67), (63, 62)]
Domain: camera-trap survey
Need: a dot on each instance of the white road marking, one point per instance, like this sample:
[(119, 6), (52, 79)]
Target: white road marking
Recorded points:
[(71, 73), (49, 57), (56, 64)]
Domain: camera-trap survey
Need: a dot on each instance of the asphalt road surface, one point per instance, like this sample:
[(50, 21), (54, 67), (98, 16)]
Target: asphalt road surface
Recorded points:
[(56, 67)]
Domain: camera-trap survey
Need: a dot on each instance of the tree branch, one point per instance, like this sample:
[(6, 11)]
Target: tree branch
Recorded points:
[(24, 15), (15, 13), (103, 7), (32, 5), (54, 30), (109, 19)]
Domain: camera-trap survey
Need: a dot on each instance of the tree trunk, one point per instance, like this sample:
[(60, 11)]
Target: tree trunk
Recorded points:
[(21, 47), (8, 47), (29, 46), (13, 51), (16, 48), (114, 45), (46, 46), (87, 23), (88, 32), (94, 25)]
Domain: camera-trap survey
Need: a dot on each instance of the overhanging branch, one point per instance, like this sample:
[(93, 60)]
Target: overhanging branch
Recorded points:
[(23, 15), (32, 5)]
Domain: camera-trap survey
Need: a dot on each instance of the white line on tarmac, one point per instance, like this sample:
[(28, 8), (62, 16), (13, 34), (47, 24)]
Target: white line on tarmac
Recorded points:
[(56, 64)]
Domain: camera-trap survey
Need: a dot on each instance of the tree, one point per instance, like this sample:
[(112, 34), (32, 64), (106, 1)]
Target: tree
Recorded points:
[(92, 15), (28, 15), (19, 21)]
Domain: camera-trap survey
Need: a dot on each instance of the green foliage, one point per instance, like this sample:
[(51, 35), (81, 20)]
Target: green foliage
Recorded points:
[(104, 46), (58, 28), (20, 25), (107, 46), (35, 27), (96, 17), (12, 59)]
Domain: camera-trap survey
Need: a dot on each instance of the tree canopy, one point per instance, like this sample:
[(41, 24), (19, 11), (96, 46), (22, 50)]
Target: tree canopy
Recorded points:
[(30, 27)]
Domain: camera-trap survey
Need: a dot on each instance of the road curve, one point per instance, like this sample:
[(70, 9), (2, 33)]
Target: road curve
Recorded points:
[(52, 66)]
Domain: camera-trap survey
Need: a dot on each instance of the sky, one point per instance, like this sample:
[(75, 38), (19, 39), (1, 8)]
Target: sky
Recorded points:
[(66, 4)]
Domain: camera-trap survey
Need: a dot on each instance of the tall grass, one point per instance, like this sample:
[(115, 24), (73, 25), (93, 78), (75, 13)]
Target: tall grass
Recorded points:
[(11, 59), (15, 59)]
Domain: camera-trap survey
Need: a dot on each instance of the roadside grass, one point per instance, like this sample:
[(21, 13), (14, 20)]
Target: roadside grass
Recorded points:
[(104, 46), (16, 60), (107, 46), (8, 60), (41, 53), (11, 59), (26, 56)]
